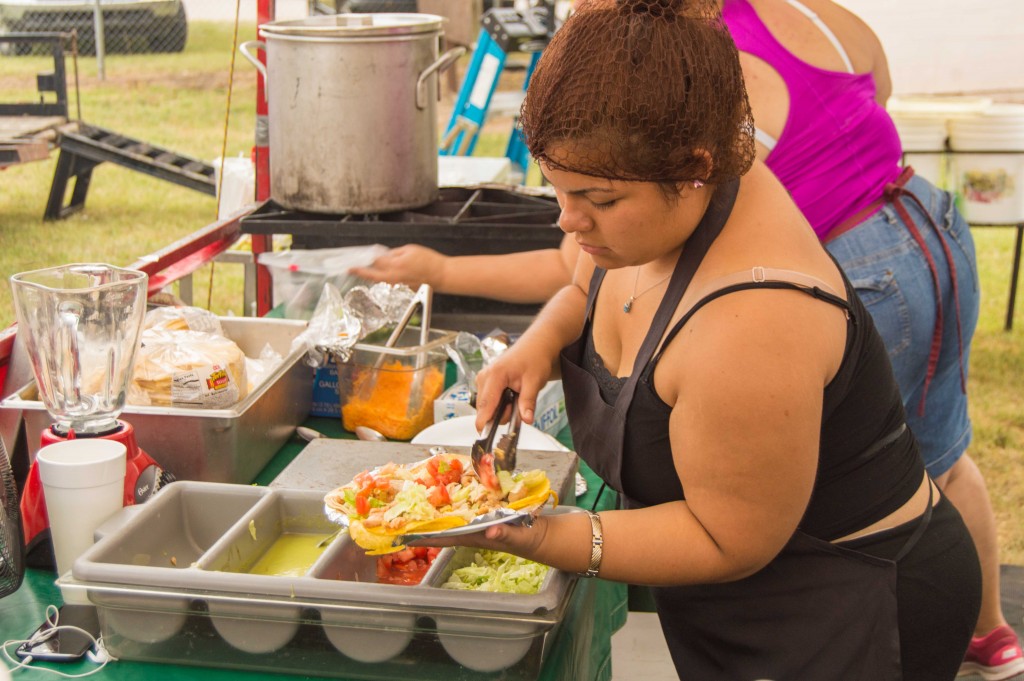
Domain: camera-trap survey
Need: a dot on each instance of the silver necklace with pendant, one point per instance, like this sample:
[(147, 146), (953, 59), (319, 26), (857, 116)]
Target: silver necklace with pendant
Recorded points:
[(629, 303)]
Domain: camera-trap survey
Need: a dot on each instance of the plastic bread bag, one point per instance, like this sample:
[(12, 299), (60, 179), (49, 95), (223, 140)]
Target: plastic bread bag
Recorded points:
[(182, 318), (188, 369)]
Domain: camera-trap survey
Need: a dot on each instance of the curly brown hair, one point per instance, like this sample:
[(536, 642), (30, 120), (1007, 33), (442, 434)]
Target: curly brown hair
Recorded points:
[(641, 90)]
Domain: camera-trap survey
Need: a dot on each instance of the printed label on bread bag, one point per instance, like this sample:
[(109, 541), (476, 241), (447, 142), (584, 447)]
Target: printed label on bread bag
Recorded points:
[(209, 386)]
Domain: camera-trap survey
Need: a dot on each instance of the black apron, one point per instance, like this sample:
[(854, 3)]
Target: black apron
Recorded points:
[(817, 611)]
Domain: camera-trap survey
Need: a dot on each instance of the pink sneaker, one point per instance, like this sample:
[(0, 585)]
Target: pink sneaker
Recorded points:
[(994, 657)]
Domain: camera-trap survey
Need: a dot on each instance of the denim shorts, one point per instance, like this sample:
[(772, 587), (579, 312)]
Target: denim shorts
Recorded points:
[(890, 273)]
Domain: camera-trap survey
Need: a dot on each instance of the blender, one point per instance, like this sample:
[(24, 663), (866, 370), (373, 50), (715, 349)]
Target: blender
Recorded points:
[(81, 325)]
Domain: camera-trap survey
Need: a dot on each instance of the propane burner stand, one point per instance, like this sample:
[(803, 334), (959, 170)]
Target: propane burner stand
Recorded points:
[(463, 221)]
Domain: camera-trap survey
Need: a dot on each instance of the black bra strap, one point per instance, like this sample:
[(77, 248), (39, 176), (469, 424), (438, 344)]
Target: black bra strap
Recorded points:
[(818, 293)]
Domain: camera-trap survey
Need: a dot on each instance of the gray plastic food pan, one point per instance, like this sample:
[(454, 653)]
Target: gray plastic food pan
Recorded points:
[(167, 534), (334, 619)]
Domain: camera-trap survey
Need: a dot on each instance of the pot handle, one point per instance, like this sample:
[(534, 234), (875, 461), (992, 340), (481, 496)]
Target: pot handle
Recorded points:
[(442, 63), (260, 45)]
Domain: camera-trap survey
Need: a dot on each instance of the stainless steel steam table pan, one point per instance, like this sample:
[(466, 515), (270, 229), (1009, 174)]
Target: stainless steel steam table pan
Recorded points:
[(215, 445)]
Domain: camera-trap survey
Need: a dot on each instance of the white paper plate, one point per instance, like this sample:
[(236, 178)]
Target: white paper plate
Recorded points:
[(461, 432)]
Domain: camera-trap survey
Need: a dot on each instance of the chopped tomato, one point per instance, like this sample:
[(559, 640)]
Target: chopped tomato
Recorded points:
[(486, 472), (439, 496), (362, 504), (444, 471), (408, 566), (452, 472)]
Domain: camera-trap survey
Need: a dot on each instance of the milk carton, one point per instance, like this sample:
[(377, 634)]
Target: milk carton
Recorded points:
[(549, 415)]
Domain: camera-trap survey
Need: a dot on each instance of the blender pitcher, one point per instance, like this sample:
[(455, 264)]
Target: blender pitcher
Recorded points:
[(81, 325)]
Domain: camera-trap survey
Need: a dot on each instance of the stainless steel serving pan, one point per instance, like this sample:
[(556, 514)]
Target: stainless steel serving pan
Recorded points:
[(215, 445)]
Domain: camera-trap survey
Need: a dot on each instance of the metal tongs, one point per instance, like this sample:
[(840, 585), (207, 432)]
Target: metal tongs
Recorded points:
[(489, 458)]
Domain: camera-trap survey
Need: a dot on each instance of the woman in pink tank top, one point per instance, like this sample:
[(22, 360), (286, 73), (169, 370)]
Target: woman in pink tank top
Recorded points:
[(817, 79)]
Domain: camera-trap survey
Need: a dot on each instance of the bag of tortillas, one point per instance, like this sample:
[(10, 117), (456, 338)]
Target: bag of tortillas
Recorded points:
[(182, 318), (184, 368)]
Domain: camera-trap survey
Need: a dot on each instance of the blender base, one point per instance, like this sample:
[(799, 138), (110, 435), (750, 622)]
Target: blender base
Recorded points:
[(143, 478)]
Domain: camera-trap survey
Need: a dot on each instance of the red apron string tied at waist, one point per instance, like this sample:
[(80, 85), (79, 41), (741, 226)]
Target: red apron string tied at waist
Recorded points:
[(895, 193), (870, 209)]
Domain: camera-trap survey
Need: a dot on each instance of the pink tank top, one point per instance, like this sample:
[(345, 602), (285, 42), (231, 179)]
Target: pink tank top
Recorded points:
[(839, 147)]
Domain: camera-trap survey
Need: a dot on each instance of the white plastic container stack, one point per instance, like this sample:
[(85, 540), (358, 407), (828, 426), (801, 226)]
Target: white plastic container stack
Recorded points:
[(922, 124), (990, 185), (238, 189), (924, 145)]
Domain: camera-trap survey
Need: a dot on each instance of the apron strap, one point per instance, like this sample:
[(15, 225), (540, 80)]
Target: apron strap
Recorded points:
[(710, 226), (896, 193), (595, 283), (868, 210), (693, 254)]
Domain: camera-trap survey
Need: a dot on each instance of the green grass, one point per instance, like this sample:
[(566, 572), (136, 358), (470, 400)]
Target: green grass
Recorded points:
[(179, 101), (996, 385)]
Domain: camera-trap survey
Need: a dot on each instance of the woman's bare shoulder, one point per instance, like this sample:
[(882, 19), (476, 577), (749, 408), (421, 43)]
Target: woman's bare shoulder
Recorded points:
[(799, 35)]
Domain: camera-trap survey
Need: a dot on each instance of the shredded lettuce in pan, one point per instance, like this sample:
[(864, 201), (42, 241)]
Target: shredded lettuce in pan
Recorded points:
[(498, 571)]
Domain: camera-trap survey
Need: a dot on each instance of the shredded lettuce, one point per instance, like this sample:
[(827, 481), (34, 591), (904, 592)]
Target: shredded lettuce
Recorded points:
[(411, 502), (462, 493), (531, 478), (499, 572), (506, 481)]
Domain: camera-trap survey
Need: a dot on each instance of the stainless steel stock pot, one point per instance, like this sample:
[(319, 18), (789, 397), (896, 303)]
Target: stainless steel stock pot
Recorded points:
[(352, 104)]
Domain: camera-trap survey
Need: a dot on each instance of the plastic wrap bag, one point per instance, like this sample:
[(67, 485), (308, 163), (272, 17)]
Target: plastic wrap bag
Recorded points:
[(471, 354), (258, 368), (299, 276), (339, 322)]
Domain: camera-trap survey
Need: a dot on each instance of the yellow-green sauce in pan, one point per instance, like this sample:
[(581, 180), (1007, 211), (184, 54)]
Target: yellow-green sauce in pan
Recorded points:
[(291, 555)]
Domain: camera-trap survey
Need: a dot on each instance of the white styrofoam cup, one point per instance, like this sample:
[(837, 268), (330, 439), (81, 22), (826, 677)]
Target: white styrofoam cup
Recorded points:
[(83, 485)]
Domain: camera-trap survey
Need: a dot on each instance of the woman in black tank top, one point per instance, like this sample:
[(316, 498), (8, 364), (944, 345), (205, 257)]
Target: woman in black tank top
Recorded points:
[(721, 375)]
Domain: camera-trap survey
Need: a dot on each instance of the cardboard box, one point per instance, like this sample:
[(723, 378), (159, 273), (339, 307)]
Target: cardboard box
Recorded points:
[(549, 416), (463, 18)]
